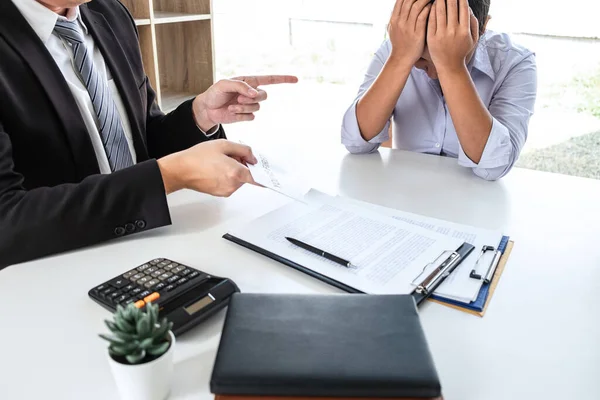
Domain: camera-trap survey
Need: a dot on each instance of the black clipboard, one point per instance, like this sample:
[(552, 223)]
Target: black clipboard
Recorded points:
[(454, 259)]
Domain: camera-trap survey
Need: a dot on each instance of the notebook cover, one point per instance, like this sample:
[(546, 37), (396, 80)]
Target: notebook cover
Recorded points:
[(464, 251), (324, 346), (479, 306)]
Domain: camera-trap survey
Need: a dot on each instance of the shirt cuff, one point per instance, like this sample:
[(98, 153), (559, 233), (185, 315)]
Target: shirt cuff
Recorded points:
[(212, 130), (496, 152), (352, 138)]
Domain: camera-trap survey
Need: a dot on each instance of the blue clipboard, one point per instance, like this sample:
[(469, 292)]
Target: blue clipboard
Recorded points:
[(479, 303)]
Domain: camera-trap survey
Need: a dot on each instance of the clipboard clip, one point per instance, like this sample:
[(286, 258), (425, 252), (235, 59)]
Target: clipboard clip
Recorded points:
[(487, 277), (435, 278)]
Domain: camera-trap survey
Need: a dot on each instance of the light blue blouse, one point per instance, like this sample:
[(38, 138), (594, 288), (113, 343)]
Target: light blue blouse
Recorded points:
[(505, 76)]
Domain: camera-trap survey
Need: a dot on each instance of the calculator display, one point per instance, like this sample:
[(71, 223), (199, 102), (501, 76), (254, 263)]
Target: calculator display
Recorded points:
[(199, 305)]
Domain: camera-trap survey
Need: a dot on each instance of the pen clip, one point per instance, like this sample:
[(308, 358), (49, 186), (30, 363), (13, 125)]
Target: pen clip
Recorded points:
[(441, 272)]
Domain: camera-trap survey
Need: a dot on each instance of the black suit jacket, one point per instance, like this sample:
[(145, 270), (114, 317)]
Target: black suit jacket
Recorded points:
[(52, 195)]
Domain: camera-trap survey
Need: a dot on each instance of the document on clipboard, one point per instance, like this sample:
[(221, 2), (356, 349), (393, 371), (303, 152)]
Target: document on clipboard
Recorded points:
[(387, 256), (460, 286)]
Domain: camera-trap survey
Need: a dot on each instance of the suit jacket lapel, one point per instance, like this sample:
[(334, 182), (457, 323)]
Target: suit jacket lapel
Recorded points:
[(17, 31), (116, 61)]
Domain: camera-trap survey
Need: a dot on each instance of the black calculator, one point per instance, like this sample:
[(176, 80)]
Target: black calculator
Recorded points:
[(185, 296)]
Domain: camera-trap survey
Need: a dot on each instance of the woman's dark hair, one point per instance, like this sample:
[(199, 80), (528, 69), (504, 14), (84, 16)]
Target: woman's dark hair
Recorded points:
[(481, 9)]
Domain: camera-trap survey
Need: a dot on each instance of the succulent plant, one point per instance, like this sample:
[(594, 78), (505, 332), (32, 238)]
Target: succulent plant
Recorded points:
[(137, 336)]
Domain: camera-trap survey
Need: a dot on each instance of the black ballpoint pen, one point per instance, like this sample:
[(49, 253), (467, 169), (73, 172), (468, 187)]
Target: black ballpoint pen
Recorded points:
[(321, 253)]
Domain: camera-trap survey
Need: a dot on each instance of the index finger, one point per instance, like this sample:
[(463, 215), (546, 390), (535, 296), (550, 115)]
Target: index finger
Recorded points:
[(440, 8), (261, 80), (465, 13), (474, 28), (452, 7), (237, 173), (238, 150), (245, 175), (432, 24), (397, 8)]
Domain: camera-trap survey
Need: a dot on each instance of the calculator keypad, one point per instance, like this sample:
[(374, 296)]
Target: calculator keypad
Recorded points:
[(152, 283), (178, 269), (147, 283), (118, 283), (143, 280), (144, 267), (165, 276)]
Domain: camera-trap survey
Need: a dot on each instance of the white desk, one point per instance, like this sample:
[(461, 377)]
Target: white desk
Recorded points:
[(540, 338)]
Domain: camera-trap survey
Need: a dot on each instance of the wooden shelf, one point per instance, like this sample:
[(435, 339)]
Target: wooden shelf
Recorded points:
[(183, 6), (142, 21), (185, 58), (171, 100), (168, 17), (148, 47), (176, 41)]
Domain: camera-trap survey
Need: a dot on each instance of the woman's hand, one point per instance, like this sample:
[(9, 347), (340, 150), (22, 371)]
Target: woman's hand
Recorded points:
[(452, 34), (407, 29)]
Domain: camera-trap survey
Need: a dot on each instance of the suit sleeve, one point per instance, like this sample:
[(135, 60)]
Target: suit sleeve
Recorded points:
[(48, 220), (175, 131), (172, 132)]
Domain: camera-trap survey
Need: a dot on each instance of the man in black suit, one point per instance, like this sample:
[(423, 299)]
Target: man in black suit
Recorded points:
[(86, 155)]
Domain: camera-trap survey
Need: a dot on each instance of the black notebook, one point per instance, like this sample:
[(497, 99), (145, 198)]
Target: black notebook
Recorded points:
[(340, 345)]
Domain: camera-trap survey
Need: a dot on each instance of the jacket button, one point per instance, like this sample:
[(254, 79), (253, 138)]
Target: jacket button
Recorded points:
[(141, 224), (129, 227), (119, 231)]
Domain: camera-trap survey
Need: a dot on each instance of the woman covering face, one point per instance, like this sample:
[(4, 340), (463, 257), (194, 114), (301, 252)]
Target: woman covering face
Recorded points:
[(450, 86)]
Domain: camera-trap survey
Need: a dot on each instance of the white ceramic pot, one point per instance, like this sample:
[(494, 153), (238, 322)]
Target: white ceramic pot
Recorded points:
[(148, 381)]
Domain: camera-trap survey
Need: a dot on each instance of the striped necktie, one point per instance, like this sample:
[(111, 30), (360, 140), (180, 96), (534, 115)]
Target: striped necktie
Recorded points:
[(109, 121)]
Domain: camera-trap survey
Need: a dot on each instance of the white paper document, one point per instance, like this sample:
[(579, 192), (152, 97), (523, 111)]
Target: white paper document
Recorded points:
[(459, 285), (274, 177), (388, 254)]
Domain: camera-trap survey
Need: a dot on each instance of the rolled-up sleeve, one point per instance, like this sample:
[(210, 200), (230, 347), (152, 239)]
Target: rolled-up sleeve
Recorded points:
[(351, 136), (511, 108)]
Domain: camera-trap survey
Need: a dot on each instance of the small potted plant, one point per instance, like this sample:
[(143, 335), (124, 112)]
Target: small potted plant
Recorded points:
[(141, 352)]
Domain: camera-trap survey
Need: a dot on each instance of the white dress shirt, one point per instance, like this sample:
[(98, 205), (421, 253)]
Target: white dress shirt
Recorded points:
[(42, 20), (505, 77)]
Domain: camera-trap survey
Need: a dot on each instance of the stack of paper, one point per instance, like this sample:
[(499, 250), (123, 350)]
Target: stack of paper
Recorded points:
[(387, 254), (390, 247), (459, 286)]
